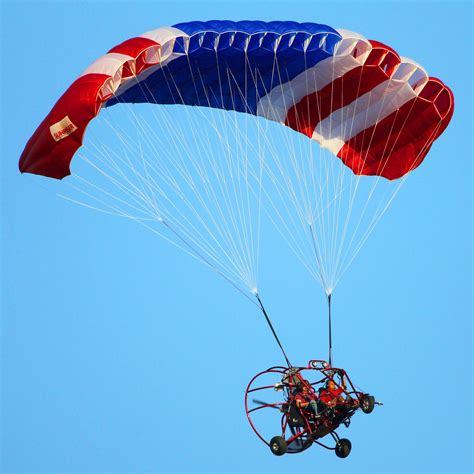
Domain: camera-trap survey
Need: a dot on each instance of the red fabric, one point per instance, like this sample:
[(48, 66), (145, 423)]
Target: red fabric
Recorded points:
[(312, 109), (329, 395), (398, 144), (80, 103), (133, 46), (136, 48), (305, 398)]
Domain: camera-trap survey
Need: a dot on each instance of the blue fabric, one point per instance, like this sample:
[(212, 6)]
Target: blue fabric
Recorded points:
[(231, 65), (252, 26)]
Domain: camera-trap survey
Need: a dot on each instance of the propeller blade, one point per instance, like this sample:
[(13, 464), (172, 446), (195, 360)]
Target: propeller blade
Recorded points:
[(259, 402)]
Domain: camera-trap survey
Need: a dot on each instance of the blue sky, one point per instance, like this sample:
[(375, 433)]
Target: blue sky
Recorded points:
[(121, 353)]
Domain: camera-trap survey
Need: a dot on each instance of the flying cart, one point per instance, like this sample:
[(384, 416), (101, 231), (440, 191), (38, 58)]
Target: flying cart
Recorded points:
[(300, 428)]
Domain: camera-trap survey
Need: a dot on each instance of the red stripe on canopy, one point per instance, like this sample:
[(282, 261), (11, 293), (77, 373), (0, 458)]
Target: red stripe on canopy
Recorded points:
[(398, 144), (137, 48), (49, 156), (312, 109), (80, 103)]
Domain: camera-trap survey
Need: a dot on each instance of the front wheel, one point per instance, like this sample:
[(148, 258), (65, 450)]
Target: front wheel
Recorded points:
[(278, 445), (367, 404), (343, 448)]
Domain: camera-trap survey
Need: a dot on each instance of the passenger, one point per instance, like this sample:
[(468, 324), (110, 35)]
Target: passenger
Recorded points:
[(332, 394)]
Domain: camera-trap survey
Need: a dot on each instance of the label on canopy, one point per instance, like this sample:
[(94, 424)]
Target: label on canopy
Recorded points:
[(62, 129)]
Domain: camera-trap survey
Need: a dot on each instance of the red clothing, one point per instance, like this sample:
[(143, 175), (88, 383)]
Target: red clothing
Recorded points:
[(305, 398), (329, 395)]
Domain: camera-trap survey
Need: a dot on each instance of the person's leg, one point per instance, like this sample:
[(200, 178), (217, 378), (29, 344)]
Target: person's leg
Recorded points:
[(314, 406)]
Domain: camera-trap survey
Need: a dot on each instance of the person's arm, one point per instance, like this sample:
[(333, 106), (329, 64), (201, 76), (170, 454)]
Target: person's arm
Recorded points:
[(343, 385), (301, 404), (332, 400)]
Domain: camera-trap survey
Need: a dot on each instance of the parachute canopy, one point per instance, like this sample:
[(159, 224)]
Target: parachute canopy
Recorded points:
[(207, 178), (378, 112)]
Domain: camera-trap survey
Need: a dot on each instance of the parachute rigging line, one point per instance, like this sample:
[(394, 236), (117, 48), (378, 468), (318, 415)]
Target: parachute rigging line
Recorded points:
[(330, 329), (273, 330), (203, 259)]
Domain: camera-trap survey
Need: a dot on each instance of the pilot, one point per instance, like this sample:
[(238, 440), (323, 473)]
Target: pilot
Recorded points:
[(306, 399)]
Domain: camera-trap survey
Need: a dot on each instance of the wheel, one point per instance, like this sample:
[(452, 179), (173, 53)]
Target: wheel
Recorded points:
[(278, 445), (367, 404), (343, 448)]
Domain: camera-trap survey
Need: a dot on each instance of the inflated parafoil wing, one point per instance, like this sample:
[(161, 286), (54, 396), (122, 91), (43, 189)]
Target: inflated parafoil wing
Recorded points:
[(378, 112)]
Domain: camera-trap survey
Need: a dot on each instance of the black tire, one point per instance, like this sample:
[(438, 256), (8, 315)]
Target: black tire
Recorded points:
[(367, 404), (343, 448), (278, 445)]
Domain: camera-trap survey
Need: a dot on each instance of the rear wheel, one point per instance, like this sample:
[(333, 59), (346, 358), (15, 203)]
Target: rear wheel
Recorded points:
[(367, 404), (278, 445), (343, 448)]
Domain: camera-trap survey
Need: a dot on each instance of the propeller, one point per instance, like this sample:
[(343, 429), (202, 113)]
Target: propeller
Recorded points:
[(259, 402)]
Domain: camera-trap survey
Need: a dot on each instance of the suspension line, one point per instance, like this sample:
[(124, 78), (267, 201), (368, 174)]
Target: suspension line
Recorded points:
[(330, 329), (273, 330), (200, 256)]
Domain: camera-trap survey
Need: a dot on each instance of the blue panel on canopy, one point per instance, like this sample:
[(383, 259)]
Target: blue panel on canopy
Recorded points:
[(231, 65)]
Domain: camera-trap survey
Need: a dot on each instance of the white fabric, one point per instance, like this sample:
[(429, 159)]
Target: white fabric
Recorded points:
[(136, 79), (108, 64), (166, 37), (351, 34), (362, 113), (111, 64), (164, 34), (275, 105)]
